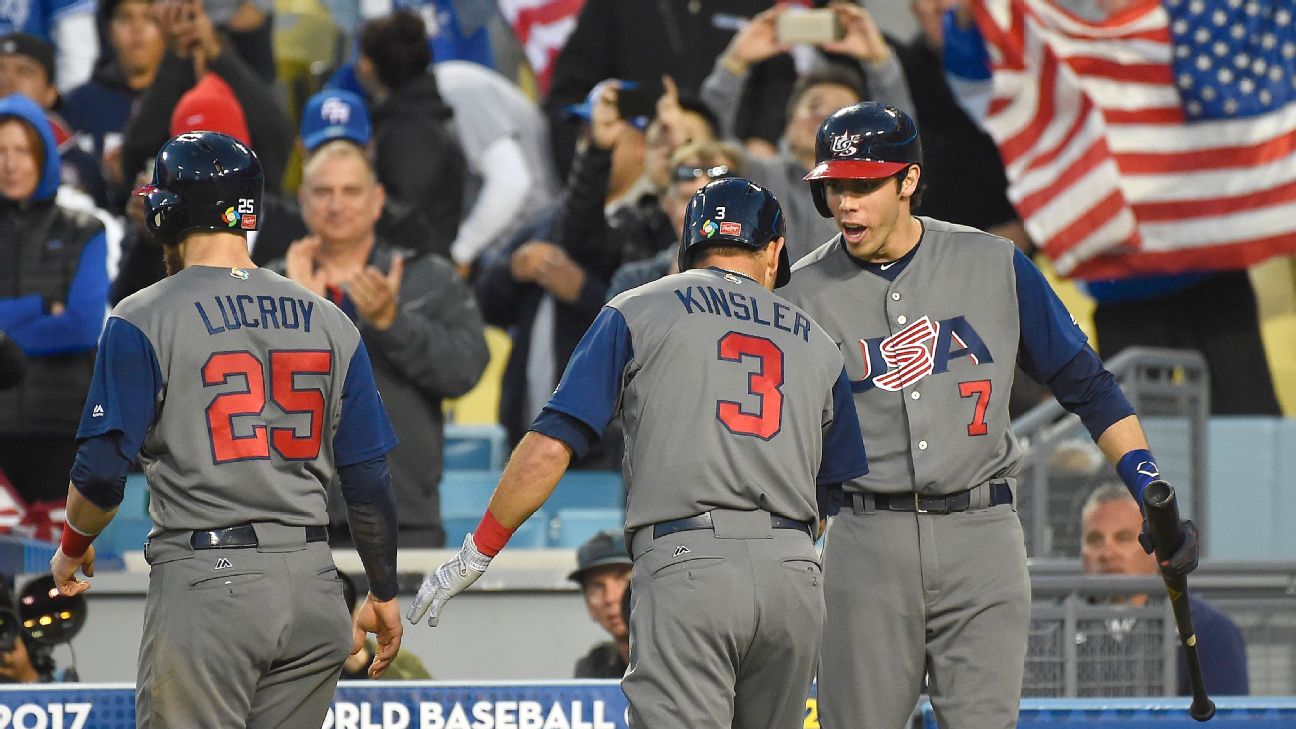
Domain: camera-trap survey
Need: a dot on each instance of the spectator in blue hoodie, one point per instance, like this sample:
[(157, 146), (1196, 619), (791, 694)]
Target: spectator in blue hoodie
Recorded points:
[(53, 300)]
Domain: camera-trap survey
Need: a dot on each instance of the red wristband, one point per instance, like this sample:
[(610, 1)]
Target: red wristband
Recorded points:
[(74, 544), (491, 536)]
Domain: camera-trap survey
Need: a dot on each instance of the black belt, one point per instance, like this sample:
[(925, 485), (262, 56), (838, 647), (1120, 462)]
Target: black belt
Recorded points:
[(1000, 493), (703, 521), (243, 535)]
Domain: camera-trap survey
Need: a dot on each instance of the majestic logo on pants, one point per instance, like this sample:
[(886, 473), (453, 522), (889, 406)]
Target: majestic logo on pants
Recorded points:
[(920, 349)]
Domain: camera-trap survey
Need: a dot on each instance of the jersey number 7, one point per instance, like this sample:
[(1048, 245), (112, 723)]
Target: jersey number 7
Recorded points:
[(285, 365)]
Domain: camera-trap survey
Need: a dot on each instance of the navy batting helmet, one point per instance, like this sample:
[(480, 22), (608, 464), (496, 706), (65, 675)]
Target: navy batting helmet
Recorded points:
[(733, 212), (203, 181), (868, 140)]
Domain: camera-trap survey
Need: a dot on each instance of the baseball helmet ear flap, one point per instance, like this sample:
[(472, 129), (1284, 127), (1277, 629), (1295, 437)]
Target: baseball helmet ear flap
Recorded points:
[(820, 197), (164, 214)]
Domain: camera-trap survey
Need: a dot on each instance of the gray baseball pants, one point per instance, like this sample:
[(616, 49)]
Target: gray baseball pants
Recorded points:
[(252, 637), (724, 625), (908, 594)]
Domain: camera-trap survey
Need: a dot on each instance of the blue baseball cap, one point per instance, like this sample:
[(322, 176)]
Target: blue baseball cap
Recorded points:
[(335, 114), (585, 110)]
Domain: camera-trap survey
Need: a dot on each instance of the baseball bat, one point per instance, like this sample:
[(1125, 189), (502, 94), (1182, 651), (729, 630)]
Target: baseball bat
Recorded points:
[(1162, 511)]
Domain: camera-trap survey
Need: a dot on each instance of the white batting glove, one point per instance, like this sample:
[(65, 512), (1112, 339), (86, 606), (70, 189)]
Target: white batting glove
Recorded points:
[(449, 580)]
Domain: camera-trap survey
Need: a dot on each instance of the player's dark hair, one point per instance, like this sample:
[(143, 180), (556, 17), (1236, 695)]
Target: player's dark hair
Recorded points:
[(723, 250), (398, 46), (832, 74)]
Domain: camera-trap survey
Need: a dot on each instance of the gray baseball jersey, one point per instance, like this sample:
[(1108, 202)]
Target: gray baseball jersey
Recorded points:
[(252, 371), (931, 343), (735, 405)]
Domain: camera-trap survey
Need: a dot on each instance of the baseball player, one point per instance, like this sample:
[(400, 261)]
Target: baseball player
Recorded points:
[(926, 564), (735, 406), (243, 394)]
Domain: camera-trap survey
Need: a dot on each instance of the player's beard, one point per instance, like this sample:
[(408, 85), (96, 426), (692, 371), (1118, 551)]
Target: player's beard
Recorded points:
[(174, 260)]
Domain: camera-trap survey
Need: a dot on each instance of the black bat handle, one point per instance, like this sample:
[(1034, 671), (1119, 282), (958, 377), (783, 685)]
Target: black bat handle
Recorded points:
[(1162, 511)]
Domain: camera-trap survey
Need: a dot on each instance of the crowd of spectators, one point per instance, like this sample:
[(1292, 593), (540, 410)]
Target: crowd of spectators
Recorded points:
[(431, 191)]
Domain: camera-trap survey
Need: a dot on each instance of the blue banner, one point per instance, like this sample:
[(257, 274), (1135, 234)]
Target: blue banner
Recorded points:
[(579, 705)]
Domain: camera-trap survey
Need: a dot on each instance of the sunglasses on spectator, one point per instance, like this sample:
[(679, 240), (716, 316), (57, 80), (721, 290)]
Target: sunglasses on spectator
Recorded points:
[(684, 174)]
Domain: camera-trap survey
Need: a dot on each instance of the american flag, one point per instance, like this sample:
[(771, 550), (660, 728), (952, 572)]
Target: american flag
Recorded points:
[(1161, 139), (542, 27)]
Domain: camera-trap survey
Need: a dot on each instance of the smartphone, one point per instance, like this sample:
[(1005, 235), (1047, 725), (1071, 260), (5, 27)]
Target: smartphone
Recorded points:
[(638, 99), (809, 26)]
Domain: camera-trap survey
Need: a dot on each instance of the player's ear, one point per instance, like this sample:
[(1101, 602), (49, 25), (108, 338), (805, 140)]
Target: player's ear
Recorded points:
[(909, 183)]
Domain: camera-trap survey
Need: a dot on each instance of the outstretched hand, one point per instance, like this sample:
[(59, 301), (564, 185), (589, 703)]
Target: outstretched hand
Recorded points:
[(450, 579)]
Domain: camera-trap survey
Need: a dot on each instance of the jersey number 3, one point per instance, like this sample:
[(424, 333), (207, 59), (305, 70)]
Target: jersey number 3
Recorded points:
[(285, 365), (764, 382)]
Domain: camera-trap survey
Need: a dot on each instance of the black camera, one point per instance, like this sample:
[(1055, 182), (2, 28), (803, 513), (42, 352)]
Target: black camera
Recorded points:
[(9, 627), (43, 617)]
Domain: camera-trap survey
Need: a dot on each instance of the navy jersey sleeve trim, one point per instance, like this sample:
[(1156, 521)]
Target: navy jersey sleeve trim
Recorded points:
[(1084, 387), (99, 471), (829, 497), (590, 389), (371, 512), (1050, 337), (843, 444), (364, 430), (578, 436), (123, 389), (365, 481)]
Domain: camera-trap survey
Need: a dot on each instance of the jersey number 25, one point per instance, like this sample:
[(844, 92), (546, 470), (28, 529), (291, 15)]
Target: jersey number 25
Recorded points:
[(282, 388)]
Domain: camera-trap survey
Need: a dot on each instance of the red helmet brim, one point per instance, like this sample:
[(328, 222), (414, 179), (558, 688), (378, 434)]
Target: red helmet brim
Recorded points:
[(854, 169)]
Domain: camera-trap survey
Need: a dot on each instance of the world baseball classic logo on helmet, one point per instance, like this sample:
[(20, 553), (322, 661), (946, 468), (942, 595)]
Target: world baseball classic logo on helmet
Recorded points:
[(844, 144)]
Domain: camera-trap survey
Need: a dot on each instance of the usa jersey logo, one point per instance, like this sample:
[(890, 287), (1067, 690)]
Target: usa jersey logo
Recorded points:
[(922, 348)]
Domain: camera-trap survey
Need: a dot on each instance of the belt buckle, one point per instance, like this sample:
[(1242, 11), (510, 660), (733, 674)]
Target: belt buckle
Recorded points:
[(918, 504)]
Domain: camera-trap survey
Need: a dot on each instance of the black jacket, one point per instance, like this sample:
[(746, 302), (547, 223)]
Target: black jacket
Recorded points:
[(511, 305), (13, 363), (635, 231), (640, 40), (963, 178), (150, 125), (418, 158)]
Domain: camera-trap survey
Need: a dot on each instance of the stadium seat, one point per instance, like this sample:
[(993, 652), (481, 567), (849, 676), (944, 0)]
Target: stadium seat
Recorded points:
[(124, 534), (474, 447), (135, 499), (465, 493), (588, 490), (574, 526), (533, 534)]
